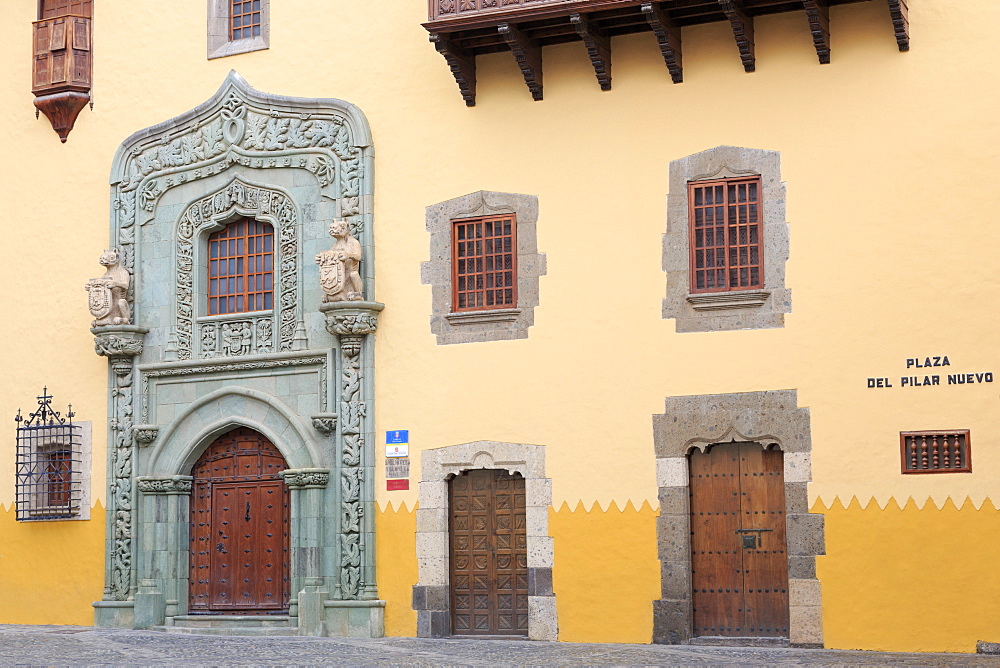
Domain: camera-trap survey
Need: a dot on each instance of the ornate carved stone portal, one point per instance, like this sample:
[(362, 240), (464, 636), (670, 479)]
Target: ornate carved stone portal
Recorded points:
[(182, 377)]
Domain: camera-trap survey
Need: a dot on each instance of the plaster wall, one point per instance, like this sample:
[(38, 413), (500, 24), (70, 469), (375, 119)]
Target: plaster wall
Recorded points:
[(891, 256)]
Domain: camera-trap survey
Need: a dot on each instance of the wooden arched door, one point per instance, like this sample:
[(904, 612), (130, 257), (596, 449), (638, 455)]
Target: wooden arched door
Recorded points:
[(239, 527)]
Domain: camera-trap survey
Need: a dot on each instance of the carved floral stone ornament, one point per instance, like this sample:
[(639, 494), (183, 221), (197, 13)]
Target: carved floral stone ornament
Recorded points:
[(306, 477), (107, 295), (338, 267), (178, 484), (118, 341)]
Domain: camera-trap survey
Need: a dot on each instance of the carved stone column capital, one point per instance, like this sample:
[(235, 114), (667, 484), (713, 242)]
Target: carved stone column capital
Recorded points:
[(304, 478), (114, 341), (145, 434), (175, 484), (351, 318), (325, 423)]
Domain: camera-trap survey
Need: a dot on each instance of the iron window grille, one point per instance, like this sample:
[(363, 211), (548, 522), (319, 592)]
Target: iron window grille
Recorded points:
[(48, 464), (935, 451), (726, 233)]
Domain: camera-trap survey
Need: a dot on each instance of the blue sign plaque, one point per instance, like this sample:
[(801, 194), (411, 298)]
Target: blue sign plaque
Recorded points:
[(398, 436)]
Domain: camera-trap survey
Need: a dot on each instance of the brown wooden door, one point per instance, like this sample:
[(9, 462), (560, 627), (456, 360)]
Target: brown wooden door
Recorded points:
[(489, 554), (739, 569), (239, 527)]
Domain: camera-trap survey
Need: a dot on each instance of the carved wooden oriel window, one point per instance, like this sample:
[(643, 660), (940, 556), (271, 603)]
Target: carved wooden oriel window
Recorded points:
[(725, 224), (935, 451), (241, 268), (61, 71), (244, 19), (484, 263)]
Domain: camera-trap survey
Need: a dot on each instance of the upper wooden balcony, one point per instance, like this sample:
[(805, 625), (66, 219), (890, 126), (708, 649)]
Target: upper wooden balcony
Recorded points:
[(464, 29), (62, 69)]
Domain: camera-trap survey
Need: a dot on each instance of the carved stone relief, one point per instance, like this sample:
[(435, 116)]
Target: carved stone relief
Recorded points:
[(338, 267), (231, 339), (107, 295)]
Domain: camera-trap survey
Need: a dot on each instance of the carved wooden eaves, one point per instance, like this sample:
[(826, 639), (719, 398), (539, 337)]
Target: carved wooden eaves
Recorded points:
[(528, 54), (598, 47), (462, 30), (668, 36)]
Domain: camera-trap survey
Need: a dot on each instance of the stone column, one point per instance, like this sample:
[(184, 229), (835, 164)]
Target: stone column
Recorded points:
[(121, 344), (308, 487), (162, 566), (353, 323)]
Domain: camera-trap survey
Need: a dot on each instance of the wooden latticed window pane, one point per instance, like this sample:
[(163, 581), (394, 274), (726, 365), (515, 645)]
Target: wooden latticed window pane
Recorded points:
[(52, 8), (245, 19), (241, 268), (935, 451), (725, 225), (59, 471), (484, 263)]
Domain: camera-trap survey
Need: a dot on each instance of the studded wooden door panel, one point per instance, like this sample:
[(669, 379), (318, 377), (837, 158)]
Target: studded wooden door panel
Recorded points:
[(239, 527), (738, 562), (489, 554)]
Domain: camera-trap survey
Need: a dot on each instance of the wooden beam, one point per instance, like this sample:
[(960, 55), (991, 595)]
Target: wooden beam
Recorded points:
[(462, 64), (818, 13), (742, 24), (528, 54), (900, 14), (668, 35), (598, 48)]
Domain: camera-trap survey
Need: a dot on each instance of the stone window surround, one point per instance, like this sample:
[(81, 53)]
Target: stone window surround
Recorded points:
[(767, 418), (432, 594), (85, 474), (732, 310), (487, 325), (219, 44)]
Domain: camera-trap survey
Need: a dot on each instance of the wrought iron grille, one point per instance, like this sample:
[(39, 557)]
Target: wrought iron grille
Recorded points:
[(48, 464)]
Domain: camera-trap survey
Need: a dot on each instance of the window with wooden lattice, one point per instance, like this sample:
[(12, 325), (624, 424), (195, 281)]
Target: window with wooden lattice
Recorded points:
[(244, 19), (484, 263), (935, 451), (241, 268), (726, 236)]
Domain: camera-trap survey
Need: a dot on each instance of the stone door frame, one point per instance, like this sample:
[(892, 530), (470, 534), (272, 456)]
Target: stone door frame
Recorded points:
[(432, 593), (698, 421)]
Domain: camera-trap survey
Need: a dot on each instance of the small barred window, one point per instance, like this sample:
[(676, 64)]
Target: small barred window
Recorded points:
[(48, 464), (484, 263), (725, 223), (245, 19), (936, 451), (241, 268)]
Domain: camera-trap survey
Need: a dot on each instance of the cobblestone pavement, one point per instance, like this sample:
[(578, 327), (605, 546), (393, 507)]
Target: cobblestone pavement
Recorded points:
[(79, 645)]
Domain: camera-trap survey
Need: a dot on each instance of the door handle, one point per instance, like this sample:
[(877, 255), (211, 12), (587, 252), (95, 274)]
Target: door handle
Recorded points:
[(247, 518)]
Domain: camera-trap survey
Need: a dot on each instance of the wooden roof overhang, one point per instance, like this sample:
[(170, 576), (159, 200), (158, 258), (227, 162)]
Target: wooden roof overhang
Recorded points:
[(464, 29)]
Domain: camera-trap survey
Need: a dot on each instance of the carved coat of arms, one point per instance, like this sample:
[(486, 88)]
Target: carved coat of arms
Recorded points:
[(332, 274), (99, 297)]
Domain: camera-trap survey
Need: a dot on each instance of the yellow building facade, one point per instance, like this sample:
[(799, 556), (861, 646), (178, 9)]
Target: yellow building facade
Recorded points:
[(605, 383)]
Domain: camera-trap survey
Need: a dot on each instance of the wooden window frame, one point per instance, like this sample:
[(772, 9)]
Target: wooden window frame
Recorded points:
[(456, 292), (86, 11), (215, 296), (242, 15), (965, 451), (729, 225)]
